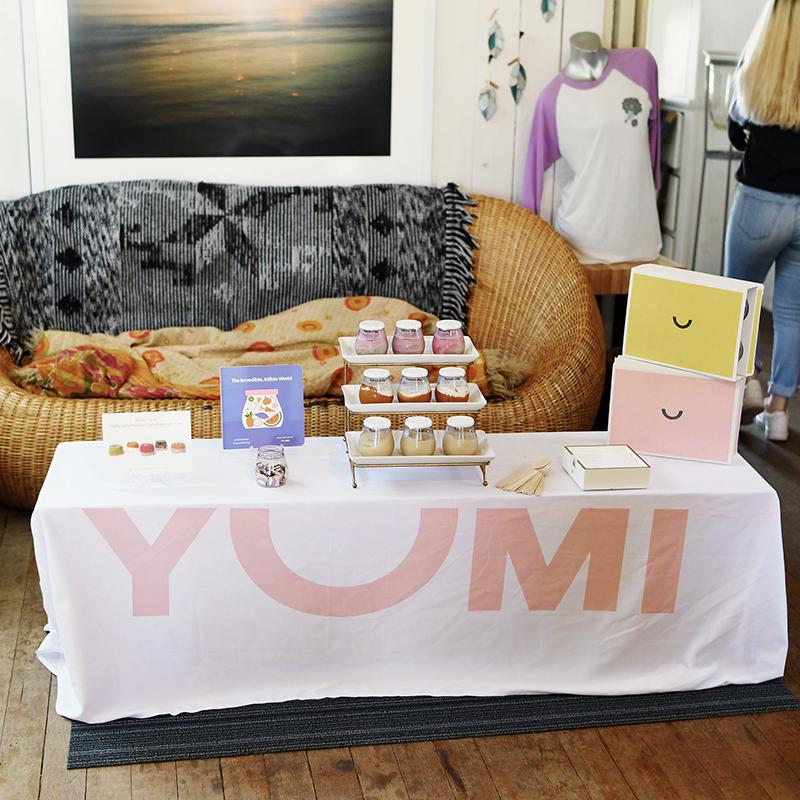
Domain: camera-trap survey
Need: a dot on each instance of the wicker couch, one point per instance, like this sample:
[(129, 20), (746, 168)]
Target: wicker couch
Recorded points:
[(531, 300)]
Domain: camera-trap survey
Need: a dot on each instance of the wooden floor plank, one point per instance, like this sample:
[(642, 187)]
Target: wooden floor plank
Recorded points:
[(105, 782), (244, 778), (378, 773), (334, 774), (636, 761), (154, 781), (288, 776), (15, 555), (423, 774), (748, 744), (199, 779), (719, 760), (530, 765), (59, 783), (22, 743), (680, 764), (783, 733), (599, 774), (465, 769)]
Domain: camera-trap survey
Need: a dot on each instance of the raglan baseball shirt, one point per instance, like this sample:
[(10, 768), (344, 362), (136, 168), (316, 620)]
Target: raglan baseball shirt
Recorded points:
[(607, 133)]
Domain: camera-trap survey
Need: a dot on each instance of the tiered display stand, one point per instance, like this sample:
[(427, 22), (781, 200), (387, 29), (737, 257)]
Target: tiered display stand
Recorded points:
[(355, 408)]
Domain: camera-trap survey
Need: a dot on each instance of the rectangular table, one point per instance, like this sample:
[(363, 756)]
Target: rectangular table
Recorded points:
[(208, 591)]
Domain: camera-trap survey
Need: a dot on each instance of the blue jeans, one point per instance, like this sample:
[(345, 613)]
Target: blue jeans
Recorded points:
[(764, 229)]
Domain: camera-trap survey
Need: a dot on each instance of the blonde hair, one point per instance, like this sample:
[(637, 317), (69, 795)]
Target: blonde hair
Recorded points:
[(767, 81)]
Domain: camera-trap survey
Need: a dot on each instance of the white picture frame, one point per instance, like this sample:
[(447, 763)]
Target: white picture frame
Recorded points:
[(49, 107)]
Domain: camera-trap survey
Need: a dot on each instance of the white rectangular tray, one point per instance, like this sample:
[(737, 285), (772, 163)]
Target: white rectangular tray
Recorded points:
[(484, 456), (474, 402), (347, 347)]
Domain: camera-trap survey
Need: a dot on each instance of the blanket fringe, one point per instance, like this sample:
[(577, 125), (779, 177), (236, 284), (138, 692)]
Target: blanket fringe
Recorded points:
[(459, 277)]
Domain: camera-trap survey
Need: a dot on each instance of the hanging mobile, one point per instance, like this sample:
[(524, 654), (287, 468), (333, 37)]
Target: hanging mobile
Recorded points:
[(487, 100), (518, 79), (496, 39), (548, 9)]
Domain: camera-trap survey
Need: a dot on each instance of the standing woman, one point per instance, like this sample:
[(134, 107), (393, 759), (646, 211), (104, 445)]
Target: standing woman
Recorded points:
[(764, 225)]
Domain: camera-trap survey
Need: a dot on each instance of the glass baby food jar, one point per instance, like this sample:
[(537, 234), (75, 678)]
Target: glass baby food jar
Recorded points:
[(448, 339), (371, 338), (460, 438), (452, 386), (376, 387), (418, 438), (408, 338), (376, 437), (271, 466), (414, 386)]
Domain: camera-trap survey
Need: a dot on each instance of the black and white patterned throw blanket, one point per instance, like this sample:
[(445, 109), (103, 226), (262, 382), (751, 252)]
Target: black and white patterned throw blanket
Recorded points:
[(150, 254)]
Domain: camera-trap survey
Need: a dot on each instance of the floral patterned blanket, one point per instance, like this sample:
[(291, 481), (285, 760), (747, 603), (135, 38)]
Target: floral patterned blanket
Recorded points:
[(185, 362)]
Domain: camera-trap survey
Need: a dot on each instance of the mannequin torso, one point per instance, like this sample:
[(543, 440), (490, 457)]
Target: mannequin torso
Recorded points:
[(587, 59)]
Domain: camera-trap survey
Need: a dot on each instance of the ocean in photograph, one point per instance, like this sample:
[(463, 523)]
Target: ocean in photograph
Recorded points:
[(181, 78)]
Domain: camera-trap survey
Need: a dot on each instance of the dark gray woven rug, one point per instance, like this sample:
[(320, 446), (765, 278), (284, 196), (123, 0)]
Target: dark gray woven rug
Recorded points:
[(341, 722)]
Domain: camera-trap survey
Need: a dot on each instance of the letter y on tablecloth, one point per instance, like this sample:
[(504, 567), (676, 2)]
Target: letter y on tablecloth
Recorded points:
[(149, 565)]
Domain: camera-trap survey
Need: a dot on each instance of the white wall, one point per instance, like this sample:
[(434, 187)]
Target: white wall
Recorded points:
[(489, 157), (14, 172), (486, 157)]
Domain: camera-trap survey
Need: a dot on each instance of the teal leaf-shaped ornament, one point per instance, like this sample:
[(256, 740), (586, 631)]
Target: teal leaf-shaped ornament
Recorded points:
[(518, 81), (487, 102), (548, 9), (496, 40)]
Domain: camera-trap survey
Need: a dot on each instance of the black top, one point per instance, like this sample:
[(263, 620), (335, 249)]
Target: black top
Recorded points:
[(771, 156)]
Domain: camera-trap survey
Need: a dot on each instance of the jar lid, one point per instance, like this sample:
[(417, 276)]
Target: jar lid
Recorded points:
[(414, 373), (409, 324), (461, 422), (448, 325), (418, 423), (452, 372), (378, 423), (371, 325), (375, 374)]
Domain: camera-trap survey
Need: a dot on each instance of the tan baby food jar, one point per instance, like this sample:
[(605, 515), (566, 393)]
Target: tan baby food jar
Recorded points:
[(376, 437), (414, 386), (418, 438), (460, 438), (376, 387), (452, 386)]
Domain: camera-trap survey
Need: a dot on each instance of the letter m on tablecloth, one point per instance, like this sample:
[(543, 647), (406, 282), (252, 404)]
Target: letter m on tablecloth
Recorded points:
[(598, 534)]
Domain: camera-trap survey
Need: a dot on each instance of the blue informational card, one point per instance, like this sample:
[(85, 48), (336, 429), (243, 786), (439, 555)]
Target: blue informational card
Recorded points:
[(261, 406)]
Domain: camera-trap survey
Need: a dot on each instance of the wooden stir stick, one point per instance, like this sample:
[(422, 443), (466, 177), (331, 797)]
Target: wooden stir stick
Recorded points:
[(526, 480)]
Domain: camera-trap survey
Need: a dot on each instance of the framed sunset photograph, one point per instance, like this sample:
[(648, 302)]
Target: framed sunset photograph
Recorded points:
[(255, 91), (210, 78)]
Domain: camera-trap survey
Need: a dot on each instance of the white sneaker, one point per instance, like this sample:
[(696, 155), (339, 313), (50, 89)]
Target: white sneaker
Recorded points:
[(753, 401), (775, 425)]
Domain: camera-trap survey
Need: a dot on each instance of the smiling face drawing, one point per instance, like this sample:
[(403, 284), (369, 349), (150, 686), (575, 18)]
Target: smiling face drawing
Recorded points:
[(685, 325)]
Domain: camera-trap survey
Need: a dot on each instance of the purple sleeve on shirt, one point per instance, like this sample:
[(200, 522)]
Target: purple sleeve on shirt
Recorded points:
[(639, 65), (543, 146)]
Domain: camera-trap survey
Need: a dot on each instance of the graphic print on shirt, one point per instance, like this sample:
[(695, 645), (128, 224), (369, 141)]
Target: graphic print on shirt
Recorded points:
[(632, 107)]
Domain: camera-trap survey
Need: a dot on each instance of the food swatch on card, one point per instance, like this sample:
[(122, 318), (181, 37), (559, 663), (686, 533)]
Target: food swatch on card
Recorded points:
[(148, 441)]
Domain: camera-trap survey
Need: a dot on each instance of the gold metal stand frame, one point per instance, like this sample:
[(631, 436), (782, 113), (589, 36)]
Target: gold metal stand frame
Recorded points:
[(354, 467)]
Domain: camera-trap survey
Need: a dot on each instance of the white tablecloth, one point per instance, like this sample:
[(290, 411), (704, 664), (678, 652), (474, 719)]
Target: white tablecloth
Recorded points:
[(206, 591)]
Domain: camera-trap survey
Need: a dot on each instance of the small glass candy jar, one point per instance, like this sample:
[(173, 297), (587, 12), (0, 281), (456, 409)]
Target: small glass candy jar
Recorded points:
[(376, 437), (271, 466), (376, 387), (418, 438), (408, 338), (460, 438), (448, 339), (452, 386), (414, 386), (371, 338)]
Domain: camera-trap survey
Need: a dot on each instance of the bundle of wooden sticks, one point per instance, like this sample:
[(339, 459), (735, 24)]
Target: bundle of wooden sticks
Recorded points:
[(527, 480)]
